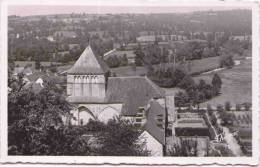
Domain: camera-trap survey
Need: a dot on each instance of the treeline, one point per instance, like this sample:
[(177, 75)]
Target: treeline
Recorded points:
[(116, 61), (195, 94)]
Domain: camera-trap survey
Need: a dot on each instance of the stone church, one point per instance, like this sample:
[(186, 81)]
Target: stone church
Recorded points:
[(98, 96)]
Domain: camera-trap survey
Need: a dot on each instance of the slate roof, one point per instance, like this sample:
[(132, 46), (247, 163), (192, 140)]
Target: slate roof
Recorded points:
[(151, 126), (133, 92), (89, 63)]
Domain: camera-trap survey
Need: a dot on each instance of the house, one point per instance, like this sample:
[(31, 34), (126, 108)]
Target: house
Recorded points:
[(39, 79), (130, 55), (154, 129), (23, 70)]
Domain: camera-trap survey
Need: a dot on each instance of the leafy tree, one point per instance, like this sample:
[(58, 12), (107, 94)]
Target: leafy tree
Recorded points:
[(32, 117), (124, 61), (247, 106), (209, 109), (181, 99), (238, 107), (186, 148), (227, 106), (187, 82), (216, 83), (113, 61), (220, 108), (226, 61), (120, 138), (139, 56)]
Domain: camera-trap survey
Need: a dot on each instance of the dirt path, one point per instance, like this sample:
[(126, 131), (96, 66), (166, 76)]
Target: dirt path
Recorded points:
[(231, 141)]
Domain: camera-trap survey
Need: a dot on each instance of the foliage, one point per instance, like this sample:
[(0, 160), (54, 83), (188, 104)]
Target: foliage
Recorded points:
[(220, 108), (226, 61), (120, 138), (238, 107), (247, 106), (227, 106), (166, 77), (181, 99), (186, 148), (113, 61), (216, 83), (116, 61), (139, 56), (124, 60)]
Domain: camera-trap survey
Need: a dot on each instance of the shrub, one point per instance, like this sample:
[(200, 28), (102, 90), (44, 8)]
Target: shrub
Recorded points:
[(238, 107), (227, 106), (220, 108)]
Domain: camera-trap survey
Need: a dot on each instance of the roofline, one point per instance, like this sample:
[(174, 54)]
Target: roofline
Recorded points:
[(145, 130)]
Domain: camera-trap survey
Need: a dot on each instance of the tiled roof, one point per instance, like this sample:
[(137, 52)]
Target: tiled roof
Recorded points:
[(133, 92), (155, 112), (89, 63)]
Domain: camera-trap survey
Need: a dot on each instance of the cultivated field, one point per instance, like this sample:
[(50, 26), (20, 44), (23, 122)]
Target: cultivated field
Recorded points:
[(236, 84)]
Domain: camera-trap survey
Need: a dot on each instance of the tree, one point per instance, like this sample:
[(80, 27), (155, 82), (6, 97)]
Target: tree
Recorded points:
[(186, 148), (209, 109), (247, 106), (227, 106), (124, 60), (120, 138), (113, 61), (220, 108), (238, 107), (226, 61), (216, 83), (34, 120), (187, 82), (181, 99)]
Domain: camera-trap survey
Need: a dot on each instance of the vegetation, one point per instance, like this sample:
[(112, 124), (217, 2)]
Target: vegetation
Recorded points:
[(186, 148), (115, 61)]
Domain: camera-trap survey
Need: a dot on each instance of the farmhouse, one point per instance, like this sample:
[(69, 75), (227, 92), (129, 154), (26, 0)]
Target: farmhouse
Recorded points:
[(97, 96)]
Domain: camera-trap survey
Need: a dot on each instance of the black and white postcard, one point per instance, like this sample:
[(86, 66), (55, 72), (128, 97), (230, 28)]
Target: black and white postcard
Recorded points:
[(150, 82)]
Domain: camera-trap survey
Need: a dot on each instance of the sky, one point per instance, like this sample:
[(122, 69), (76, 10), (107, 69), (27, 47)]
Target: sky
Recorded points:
[(27, 10)]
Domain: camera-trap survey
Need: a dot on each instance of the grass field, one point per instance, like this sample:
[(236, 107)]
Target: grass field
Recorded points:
[(191, 67), (236, 84)]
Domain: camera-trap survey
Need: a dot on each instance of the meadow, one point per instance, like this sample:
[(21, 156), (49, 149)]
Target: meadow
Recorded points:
[(236, 84)]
